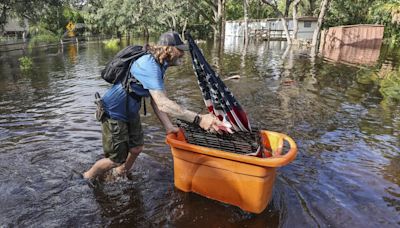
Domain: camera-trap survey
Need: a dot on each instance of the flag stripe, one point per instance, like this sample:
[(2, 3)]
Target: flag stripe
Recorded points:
[(217, 97)]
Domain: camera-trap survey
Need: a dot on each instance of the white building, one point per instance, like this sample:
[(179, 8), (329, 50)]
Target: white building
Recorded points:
[(306, 26), (16, 26)]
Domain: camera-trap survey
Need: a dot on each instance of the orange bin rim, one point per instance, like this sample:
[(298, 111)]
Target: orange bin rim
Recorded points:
[(177, 140)]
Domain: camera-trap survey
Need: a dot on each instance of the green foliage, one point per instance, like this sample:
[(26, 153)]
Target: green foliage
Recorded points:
[(387, 13), (388, 81), (41, 35), (71, 14), (390, 85), (309, 7), (25, 63), (52, 15), (111, 44), (367, 77), (123, 16), (42, 38), (33, 9), (55, 18), (345, 12), (234, 9), (256, 10)]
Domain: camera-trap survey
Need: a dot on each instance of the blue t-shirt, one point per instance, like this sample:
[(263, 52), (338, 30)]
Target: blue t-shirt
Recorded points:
[(149, 73)]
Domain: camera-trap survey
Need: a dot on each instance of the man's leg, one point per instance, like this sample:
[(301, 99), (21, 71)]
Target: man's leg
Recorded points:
[(115, 145), (99, 168), (136, 139), (133, 153)]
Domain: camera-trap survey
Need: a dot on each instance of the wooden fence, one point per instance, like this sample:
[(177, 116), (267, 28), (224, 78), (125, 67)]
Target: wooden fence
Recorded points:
[(353, 44)]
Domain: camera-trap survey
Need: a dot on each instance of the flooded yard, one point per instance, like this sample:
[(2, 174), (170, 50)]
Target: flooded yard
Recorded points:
[(346, 174)]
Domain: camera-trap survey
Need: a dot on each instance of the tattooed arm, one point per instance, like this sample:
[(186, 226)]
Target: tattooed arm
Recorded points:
[(164, 119), (164, 104)]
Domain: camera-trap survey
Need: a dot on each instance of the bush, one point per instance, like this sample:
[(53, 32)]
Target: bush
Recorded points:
[(42, 38), (25, 63), (111, 44), (41, 35)]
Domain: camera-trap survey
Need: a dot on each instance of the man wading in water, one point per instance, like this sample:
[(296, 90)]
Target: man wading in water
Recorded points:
[(122, 132)]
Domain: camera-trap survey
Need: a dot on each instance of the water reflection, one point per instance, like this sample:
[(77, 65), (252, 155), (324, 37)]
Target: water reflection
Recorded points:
[(72, 50)]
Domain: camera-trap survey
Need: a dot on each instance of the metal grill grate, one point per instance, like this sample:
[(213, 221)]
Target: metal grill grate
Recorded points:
[(238, 142)]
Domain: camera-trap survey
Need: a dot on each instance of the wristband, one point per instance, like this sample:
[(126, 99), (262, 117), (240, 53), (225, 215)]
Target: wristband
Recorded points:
[(197, 120)]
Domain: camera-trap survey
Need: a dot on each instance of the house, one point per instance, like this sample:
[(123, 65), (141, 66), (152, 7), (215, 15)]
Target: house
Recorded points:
[(17, 27), (272, 27)]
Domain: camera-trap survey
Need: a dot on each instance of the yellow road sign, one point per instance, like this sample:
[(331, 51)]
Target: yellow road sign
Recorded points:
[(70, 26)]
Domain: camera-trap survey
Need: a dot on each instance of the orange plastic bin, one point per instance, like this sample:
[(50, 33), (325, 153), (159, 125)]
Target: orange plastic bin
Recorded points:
[(241, 180)]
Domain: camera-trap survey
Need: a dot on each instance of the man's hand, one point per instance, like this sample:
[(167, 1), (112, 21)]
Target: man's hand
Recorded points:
[(172, 129), (211, 123)]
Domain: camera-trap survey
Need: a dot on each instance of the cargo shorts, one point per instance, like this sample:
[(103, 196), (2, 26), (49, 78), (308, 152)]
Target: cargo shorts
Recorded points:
[(119, 136)]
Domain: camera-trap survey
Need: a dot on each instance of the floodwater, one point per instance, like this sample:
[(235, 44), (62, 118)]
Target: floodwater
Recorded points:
[(346, 174)]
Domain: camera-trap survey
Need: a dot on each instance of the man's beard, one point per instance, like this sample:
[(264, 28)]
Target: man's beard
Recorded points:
[(176, 62)]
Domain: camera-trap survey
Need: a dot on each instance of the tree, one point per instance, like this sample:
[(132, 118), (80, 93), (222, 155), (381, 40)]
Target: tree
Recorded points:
[(387, 13), (282, 15), (344, 12), (121, 16), (111, 16), (309, 7), (317, 31), (295, 22), (32, 10), (246, 32)]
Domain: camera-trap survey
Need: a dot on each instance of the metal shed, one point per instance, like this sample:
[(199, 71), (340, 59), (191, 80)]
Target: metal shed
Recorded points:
[(306, 27)]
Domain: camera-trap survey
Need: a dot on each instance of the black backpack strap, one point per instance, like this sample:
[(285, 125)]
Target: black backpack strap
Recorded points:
[(127, 80), (144, 106), (127, 108)]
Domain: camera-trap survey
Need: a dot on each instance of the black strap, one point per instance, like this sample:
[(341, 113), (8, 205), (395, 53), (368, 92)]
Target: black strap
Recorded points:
[(127, 107), (127, 86), (144, 106)]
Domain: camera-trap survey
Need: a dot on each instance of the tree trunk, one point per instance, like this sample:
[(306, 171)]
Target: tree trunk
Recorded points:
[(169, 24), (295, 22), (173, 23), (281, 16), (184, 27), (312, 7), (246, 31), (216, 32), (317, 31), (221, 19), (285, 29), (287, 7), (146, 34)]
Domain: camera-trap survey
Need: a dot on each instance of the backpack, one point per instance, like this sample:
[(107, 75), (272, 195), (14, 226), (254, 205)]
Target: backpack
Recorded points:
[(117, 69)]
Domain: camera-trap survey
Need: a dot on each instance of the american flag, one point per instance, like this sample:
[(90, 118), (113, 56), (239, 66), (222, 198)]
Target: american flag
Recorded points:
[(217, 97)]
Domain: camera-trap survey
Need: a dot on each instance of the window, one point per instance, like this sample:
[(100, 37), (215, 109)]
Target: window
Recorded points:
[(307, 24)]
